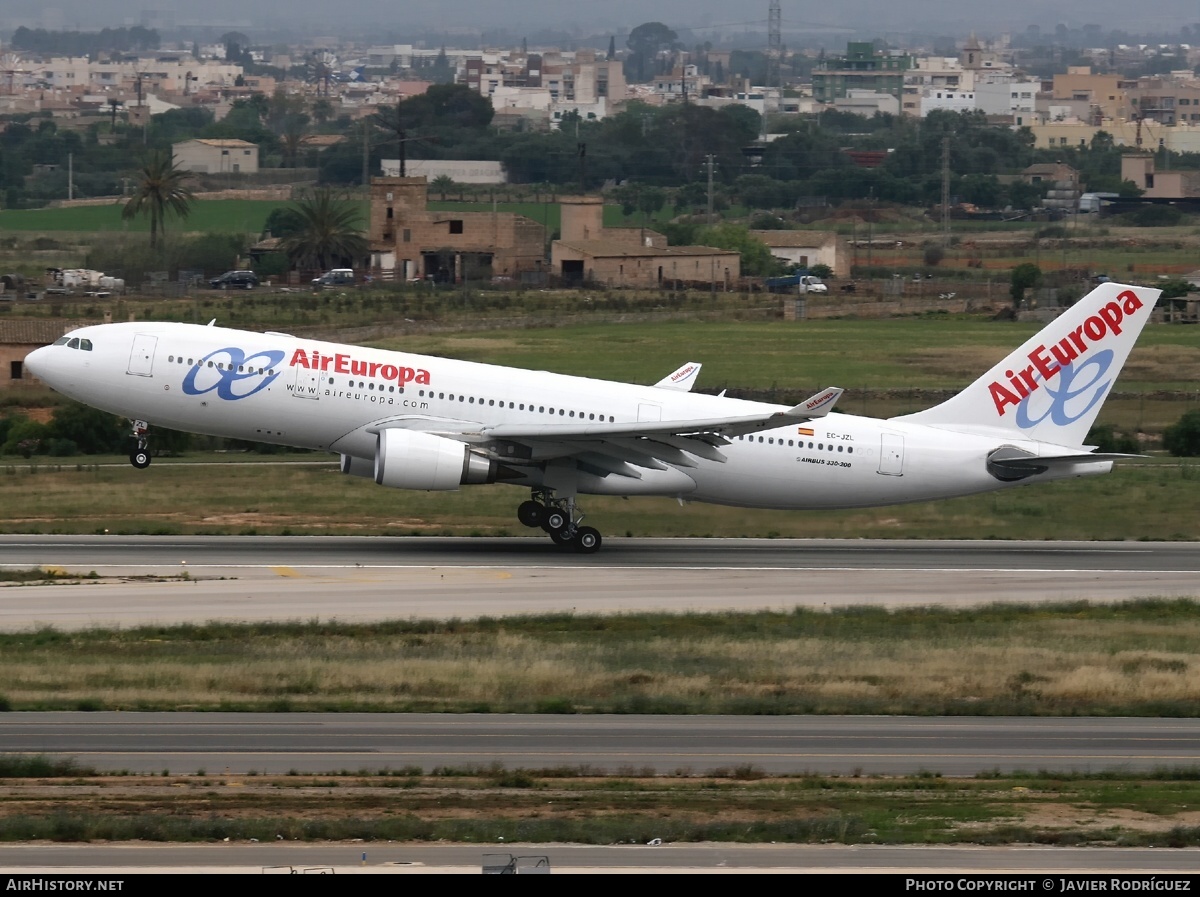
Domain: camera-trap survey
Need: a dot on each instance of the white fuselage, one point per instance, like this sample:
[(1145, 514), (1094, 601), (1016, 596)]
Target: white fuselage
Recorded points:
[(299, 392)]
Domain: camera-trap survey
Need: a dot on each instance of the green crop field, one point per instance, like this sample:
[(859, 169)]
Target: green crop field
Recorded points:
[(231, 216), (247, 216)]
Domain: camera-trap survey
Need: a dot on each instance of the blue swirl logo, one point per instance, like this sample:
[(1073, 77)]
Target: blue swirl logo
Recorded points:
[(232, 373), (1067, 388)]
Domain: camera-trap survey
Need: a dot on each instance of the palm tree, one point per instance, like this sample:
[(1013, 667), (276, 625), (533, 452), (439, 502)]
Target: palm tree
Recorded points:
[(160, 191), (329, 232)]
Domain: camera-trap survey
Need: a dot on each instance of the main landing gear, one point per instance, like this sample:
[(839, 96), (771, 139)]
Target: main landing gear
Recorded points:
[(559, 518), (139, 454)]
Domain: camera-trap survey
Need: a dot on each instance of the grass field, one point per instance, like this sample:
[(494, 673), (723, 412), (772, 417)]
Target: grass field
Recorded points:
[(1130, 659), (640, 337), (936, 351), (229, 216), (1155, 500), (248, 215), (502, 807)]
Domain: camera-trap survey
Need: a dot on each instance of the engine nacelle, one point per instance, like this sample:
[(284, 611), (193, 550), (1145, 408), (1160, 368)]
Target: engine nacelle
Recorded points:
[(407, 459)]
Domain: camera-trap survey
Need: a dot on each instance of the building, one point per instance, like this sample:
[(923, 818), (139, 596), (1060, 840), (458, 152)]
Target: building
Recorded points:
[(20, 337), (589, 252), (1104, 95), (216, 156), (461, 171), (409, 241), (1139, 168), (867, 103), (861, 69), (805, 248)]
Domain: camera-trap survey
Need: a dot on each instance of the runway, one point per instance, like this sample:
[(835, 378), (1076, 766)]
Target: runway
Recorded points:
[(171, 579), (265, 743), (710, 859), (163, 580)]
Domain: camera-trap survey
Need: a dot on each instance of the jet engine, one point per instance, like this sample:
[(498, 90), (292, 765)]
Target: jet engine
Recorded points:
[(407, 459)]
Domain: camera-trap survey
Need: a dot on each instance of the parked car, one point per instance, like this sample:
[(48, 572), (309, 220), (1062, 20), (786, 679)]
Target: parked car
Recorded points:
[(338, 277), (235, 280)]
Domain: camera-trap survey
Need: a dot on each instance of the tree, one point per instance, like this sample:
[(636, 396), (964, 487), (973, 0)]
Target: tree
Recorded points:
[(322, 110), (1182, 438), (645, 42), (159, 191), (1024, 276), (329, 232), (756, 256)]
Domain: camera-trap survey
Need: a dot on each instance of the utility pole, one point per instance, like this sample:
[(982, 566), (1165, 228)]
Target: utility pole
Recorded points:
[(774, 52), (400, 137), (366, 170), (709, 166), (945, 191)]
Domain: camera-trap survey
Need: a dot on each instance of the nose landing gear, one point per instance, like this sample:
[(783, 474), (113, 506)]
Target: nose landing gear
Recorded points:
[(139, 454), (559, 517)]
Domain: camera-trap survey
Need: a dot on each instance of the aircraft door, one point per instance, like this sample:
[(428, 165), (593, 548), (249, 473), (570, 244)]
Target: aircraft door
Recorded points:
[(141, 358), (308, 383), (891, 455)]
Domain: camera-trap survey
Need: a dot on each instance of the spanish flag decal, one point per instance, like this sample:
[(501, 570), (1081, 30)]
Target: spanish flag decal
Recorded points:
[(804, 431)]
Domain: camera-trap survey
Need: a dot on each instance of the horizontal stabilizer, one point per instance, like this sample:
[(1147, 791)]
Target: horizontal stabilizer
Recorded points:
[(1008, 463)]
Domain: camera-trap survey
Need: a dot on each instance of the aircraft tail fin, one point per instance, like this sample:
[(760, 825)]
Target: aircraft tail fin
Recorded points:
[(1052, 387)]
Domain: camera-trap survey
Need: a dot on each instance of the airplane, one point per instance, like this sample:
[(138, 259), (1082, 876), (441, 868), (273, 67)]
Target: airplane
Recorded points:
[(427, 423)]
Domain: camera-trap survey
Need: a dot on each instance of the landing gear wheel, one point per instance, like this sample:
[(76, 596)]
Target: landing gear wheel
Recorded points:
[(139, 459), (587, 540), (531, 513), (554, 521), (562, 537)]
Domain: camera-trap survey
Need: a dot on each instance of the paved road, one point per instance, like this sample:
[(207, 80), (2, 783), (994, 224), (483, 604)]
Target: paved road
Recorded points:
[(317, 742), (362, 579), (1037, 862)]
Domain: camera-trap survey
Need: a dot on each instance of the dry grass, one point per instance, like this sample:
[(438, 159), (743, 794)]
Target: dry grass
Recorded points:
[(1158, 501), (1134, 659)]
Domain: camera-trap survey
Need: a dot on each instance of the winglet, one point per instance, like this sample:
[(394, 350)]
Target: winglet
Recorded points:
[(683, 379), (816, 405)]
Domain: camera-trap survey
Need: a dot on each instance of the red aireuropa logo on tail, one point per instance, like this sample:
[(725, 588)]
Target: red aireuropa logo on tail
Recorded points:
[(1045, 363)]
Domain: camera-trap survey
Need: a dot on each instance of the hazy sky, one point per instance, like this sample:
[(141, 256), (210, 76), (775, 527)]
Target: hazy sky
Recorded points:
[(399, 16)]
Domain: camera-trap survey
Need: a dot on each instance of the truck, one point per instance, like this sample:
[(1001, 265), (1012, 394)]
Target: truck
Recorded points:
[(796, 283)]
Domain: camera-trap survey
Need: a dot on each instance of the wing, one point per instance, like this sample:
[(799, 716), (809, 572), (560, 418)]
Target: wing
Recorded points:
[(618, 448)]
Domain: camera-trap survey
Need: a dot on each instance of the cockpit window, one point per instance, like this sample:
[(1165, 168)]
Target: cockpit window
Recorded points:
[(61, 341), (85, 345), (74, 343)]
